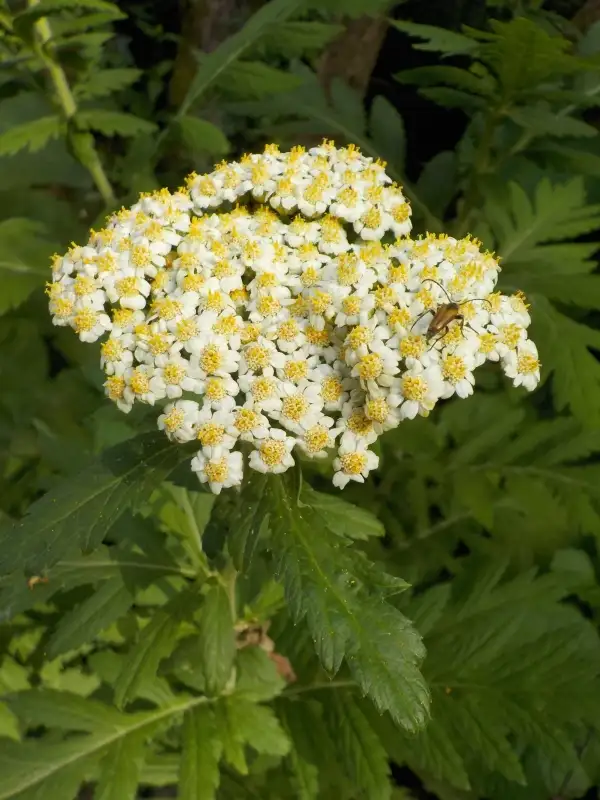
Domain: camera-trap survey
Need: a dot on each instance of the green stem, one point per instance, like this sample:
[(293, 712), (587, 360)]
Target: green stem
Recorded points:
[(88, 155)]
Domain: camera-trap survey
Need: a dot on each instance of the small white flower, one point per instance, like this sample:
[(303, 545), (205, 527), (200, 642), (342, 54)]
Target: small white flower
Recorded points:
[(273, 454), (353, 464), (179, 420), (523, 366), (221, 468)]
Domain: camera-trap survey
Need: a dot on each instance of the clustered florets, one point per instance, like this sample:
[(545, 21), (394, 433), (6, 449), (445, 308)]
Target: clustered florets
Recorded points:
[(262, 304)]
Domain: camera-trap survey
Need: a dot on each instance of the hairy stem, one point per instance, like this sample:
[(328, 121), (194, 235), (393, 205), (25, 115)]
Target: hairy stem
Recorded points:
[(88, 156)]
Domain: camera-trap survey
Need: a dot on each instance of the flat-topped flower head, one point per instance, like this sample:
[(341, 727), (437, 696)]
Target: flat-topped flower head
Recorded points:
[(279, 304)]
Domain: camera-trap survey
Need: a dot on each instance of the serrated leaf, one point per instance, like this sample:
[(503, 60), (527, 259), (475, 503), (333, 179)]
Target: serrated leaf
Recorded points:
[(456, 77), (361, 752), (438, 40), (82, 623), (341, 517), (387, 131), (32, 136), (200, 135), (218, 639), (325, 585), (65, 710), (120, 769), (541, 121), (83, 508), (257, 726), (155, 643), (24, 258), (454, 98), (115, 123), (257, 676), (300, 38), (201, 753), (45, 8), (214, 65), (102, 82)]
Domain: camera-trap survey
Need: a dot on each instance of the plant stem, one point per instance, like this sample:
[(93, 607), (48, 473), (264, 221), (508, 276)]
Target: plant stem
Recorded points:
[(64, 95)]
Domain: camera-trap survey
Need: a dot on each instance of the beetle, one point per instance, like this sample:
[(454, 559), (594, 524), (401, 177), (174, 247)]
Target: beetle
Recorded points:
[(444, 315)]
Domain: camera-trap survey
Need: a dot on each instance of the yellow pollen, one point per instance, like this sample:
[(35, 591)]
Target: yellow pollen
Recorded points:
[(511, 335), (372, 219), (401, 212), (210, 359), (398, 273), (316, 439), (399, 317), (412, 346), (174, 419), (185, 330), (84, 285), (214, 389), (84, 320), (123, 317), (268, 305), (192, 282), (358, 336), (257, 357), (140, 255), (127, 287), (211, 434), (112, 349), (154, 230), (167, 309), (272, 452), (316, 336), (228, 325), (139, 382), (174, 374), (158, 343), (239, 296), (351, 305), (63, 307), (216, 471), (320, 302), (263, 388), (215, 301), (353, 463), (384, 296), (487, 342), (331, 389), (245, 420), (251, 251), (359, 423), (223, 269), (299, 307), (288, 330), (266, 280), (370, 367), (107, 262), (160, 281), (115, 387), (425, 297), (348, 197), (454, 368), (294, 407), (414, 388), (189, 261), (295, 371), (309, 277), (250, 332), (527, 364), (207, 187), (377, 409)]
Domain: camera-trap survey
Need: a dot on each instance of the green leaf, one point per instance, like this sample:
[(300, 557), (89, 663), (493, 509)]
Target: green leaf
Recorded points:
[(387, 131), (114, 123), (82, 623), (155, 643), (24, 258), (341, 517), (103, 82), (257, 676), (462, 79), (326, 584), (65, 710), (248, 520), (362, 755), (120, 769), (202, 136), (257, 726), (218, 639), (32, 136), (202, 749), (9, 726), (301, 38), (257, 79), (437, 183), (540, 121), (438, 40), (83, 508), (267, 18), (45, 8)]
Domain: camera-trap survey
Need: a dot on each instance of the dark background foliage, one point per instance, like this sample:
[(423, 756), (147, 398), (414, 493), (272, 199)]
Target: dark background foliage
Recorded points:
[(156, 643)]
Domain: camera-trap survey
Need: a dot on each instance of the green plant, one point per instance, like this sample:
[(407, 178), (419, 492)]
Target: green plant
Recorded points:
[(153, 636)]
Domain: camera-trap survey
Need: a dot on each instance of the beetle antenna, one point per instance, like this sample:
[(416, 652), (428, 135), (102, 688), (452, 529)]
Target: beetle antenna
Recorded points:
[(475, 299), (432, 280)]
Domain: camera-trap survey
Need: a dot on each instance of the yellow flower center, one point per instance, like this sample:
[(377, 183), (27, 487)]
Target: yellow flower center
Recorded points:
[(211, 434), (295, 371), (372, 219), (250, 332), (214, 389), (263, 388), (385, 295), (192, 282), (316, 439), (359, 423), (454, 368), (185, 330), (353, 463), (139, 382), (360, 335), (141, 256), (63, 307), (401, 212), (370, 367), (215, 301), (414, 387), (295, 407), (399, 317), (412, 345), (268, 305), (272, 452), (309, 277), (115, 387), (511, 335), (174, 374), (211, 359), (257, 357), (216, 471), (112, 349), (84, 320), (351, 305), (266, 280), (122, 317), (527, 364), (227, 325), (331, 389), (167, 309), (288, 330), (245, 420), (174, 419), (83, 285), (377, 409), (127, 287), (317, 337)]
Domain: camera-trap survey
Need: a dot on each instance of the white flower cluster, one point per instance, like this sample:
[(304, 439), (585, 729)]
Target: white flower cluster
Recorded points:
[(280, 301)]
